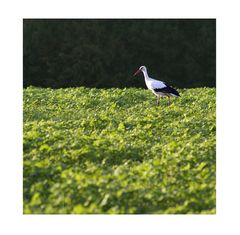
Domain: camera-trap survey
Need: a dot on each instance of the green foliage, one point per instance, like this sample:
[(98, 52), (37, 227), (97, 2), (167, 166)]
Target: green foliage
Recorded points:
[(100, 53), (114, 151)]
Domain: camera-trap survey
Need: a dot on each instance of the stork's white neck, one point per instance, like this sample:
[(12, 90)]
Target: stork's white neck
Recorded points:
[(145, 74)]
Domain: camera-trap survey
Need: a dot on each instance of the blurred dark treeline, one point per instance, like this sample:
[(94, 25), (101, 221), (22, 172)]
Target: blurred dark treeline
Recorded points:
[(106, 52)]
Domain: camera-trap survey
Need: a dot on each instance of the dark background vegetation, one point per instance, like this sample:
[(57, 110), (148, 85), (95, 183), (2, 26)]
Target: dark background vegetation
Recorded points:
[(106, 52)]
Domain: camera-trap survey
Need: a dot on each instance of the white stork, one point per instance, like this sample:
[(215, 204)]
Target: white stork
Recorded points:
[(158, 88)]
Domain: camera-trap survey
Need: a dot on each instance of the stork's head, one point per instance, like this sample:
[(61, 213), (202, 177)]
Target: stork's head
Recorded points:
[(141, 69)]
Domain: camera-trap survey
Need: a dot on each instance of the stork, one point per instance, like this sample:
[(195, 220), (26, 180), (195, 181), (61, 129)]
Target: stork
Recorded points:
[(158, 88)]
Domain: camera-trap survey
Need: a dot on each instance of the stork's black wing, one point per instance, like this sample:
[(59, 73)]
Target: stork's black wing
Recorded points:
[(167, 90)]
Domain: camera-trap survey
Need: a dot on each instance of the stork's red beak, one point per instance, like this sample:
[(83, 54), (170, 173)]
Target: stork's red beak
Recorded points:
[(138, 71)]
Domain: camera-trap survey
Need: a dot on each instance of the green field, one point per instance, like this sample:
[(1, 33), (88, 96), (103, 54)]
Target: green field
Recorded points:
[(113, 151)]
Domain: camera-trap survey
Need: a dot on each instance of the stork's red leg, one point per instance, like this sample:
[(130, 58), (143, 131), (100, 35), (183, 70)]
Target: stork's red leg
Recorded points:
[(158, 100)]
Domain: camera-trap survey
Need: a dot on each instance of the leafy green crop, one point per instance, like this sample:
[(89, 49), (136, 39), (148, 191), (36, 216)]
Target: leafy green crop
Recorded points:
[(114, 151)]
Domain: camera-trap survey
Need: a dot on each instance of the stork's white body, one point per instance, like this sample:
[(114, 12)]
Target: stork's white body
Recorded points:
[(153, 84), (158, 88)]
